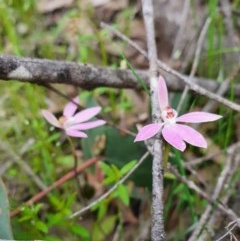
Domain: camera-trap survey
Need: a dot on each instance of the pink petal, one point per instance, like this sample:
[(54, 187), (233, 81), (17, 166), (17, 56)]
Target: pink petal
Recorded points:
[(87, 125), (198, 117), (71, 108), (191, 136), (170, 134), (76, 133), (86, 114), (148, 131), (162, 93), (50, 118)]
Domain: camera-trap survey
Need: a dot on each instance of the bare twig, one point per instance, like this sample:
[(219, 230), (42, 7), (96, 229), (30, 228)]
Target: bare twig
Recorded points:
[(123, 179), (16, 157), (58, 183), (232, 164), (193, 86), (86, 76), (180, 34), (229, 212), (232, 39), (220, 91), (144, 229), (157, 231), (195, 61), (231, 226)]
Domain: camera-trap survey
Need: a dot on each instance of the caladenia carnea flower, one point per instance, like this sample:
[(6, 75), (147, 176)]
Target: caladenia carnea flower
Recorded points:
[(174, 133), (75, 123)]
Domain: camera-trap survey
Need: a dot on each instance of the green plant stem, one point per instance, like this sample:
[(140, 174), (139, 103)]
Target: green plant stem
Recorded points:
[(165, 155), (74, 154)]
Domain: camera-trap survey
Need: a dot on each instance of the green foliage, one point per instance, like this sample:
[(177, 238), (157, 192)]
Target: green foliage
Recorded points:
[(103, 228), (128, 150), (113, 175), (5, 228), (44, 149)]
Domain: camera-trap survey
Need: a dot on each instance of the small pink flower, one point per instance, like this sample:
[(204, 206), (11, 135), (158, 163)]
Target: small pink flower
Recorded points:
[(74, 125), (176, 134)]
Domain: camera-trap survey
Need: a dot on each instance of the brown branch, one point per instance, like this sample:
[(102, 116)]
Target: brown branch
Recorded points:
[(58, 183), (86, 76), (112, 189)]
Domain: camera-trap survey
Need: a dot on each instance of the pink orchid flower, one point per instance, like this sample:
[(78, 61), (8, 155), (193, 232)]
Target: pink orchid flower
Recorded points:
[(176, 134), (74, 124)]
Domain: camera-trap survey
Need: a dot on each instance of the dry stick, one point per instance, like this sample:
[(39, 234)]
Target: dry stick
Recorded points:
[(195, 61), (58, 183), (232, 42), (86, 76), (106, 194), (223, 179), (180, 33), (234, 224), (190, 184), (200, 160), (232, 164), (157, 231), (143, 228), (5, 166), (22, 164), (220, 91), (168, 69)]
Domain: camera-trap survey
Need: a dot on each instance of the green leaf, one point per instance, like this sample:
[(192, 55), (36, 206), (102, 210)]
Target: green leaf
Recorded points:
[(123, 194), (5, 228), (125, 169), (106, 169), (140, 81), (102, 209), (103, 228), (41, 226), (169, 175), (80, 231), (115, 171), (109, 180), (121, 148)]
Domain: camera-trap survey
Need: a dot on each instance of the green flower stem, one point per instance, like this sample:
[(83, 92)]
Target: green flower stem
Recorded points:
[(74, 154), (165, 155)]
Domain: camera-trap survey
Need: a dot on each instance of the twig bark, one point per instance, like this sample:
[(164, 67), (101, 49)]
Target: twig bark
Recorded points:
[(111, 190), (193, 86), (223, 183), (157, 231), (58, 183), (190, 184), (86, 76), (196, 60)]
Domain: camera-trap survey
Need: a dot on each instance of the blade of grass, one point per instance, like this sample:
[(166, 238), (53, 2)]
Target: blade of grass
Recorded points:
[(140, 81), (5, 228)]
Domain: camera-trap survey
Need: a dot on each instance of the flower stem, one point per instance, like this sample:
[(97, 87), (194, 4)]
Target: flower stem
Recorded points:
[(165, 155), (74, 154)]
